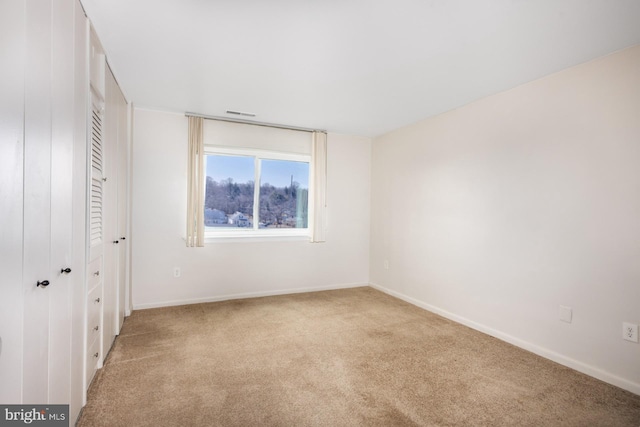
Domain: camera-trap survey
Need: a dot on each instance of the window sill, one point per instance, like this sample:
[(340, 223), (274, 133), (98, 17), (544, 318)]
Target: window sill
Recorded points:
[(262, 236)]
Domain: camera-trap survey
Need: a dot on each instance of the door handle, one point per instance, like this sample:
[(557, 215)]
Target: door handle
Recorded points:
[(43, 284), (65, 270), (122, 238), (116, 241)]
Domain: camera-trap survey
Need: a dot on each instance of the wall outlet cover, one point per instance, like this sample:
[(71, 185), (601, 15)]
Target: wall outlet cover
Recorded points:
[(630, 332), (566, 313)]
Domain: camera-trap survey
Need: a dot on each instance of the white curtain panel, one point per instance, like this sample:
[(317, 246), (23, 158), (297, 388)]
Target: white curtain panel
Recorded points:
[(195, 184), (319, 164)]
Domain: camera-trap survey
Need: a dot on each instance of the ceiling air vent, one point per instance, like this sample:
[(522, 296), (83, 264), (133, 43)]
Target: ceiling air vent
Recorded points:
[(241, 113)]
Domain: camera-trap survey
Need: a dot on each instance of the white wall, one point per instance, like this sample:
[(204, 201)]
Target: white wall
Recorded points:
[(232, 269), (497, 213)]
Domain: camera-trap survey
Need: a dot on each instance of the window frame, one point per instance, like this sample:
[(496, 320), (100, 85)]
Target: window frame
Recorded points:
[(256, 233)]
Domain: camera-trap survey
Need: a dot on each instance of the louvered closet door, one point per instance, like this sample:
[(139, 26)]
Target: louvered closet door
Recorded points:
[(96, 203), (95, 269)]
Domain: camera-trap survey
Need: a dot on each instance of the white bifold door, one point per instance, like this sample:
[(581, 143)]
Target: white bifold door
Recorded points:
[(108, 183), (50, 128), (114, 212), (48, 160)]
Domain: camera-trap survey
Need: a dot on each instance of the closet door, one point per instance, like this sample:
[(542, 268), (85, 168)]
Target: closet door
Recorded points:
[(114, 212), (97, 237), (123, 198), (112, 242), (42, 123), (62, 130), (37, 203), (95, 270), (115, 208), (12, 47), (48, 173), (79, 215)]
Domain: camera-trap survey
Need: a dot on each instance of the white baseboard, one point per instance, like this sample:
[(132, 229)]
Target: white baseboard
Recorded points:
[(245, 295), (540, 351)]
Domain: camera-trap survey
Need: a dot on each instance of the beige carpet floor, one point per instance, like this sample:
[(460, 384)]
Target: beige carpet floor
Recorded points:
[(353, 357)]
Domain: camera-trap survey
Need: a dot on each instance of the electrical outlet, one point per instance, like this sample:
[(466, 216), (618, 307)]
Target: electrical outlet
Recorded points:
[(630, 332), (566, 313), (386, 264), (176, 272)]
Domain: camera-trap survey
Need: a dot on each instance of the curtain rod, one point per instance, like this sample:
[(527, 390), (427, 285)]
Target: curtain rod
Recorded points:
[(250, 122)]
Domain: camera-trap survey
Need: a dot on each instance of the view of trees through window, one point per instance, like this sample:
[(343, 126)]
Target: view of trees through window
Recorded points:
[(230, 188)]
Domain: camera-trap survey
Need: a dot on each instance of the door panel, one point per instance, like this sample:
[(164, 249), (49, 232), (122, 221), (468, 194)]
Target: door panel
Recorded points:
[(112, 239), (123, 197), (61, 202), (12, 28), (37, 202), (79, 215), (97, 179)]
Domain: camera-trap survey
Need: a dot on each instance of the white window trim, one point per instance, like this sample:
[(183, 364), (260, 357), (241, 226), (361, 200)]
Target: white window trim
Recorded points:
[(263, 154), (257, 234)]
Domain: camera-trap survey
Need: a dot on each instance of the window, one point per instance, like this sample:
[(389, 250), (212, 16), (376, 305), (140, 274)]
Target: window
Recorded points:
[(254, 180), (252, 192)]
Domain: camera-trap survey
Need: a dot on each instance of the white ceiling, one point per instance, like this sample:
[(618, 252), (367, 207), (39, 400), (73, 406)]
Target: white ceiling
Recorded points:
[(360, 67)]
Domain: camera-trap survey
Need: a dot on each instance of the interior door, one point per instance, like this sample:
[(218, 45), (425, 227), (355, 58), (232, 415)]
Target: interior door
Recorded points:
[(12, 27), (62, 129), (111, 232), (37, 204), (97, 228), (79, 215), (123, 196)]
